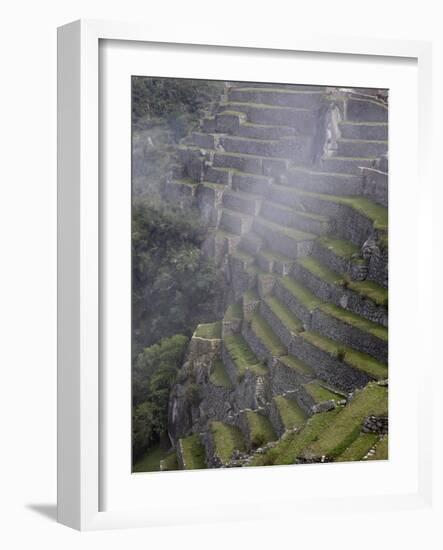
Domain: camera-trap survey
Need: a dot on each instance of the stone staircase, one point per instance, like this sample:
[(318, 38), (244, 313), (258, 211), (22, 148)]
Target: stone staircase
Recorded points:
[(293, 184)]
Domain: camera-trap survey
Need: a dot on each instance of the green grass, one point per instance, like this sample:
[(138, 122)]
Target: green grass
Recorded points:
[(260, 429), (242, 356), (300, 292), (275, 256), (233, 311), (290, 447), (321, 271), (286, 316), (358, 448), (227, 439), (346, 426), (209, 331), (250, 296), (266, 106), (268, 337), (320, 394), (356, 359), (294, 363), (356, 321), (170, 462), (193, 452), (150, 461), (381, 450), (367, 363), (371, 290), (219, 376), (344, 249), (291, 414)]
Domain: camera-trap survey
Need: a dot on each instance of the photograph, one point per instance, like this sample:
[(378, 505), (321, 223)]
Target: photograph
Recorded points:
[(259, 250)]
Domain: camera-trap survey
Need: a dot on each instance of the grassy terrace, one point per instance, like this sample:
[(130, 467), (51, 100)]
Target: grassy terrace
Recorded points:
[(365, 289), (346, 426), (242, 356), (288, 231), (358, 448), (243, 256), (209, 331), (278, 91), (150, 461), (291, 414), (339, 247), (260, 429), (300, 292), (376, 213), (371, 290), (227, 439), (355, 320), (321, 271), (193, 452), (381, 450), (288, 448), (267, 336), (320, 394), (356, 359), (219, 376), (294, 363), (238, 104), (170, 462), (275, 256), (288, 319), (233, 311)]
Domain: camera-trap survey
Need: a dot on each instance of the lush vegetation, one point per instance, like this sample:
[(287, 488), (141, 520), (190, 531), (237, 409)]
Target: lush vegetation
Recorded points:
[(173, 286), (154, 372)]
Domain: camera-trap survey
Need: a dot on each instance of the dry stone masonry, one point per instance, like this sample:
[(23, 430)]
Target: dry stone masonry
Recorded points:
[(293, 183)]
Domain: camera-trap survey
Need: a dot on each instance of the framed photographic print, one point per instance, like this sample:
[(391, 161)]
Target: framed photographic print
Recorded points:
[(235, 219)]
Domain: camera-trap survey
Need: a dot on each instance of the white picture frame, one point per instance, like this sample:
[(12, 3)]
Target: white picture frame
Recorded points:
[(79, 253)]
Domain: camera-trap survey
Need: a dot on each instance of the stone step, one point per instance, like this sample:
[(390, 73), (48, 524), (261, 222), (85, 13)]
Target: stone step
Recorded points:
[(365, 110), (297, 298), (330, 183), (303, 120), (281, 319), (246, 259), (222, 243), (283, 240), (181, 191), (356, 217), (290, 217), (364, 130), (375, 184), (225, 439), (345, 427), (361, 147), (288, 373), (222, 176), (235, 222), (337, 254), (262, 339), (204, 140), (251, 243), (253, 184), (273, 262), (295, 148), (229, 121), (286, 414), (259, 429), (314, 397), (275, 96), (245, 163), (191, 453), (346, 165), (238, 358), (364, 298), (247, 203), (352, 330), (264, 131), (336, 364)]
